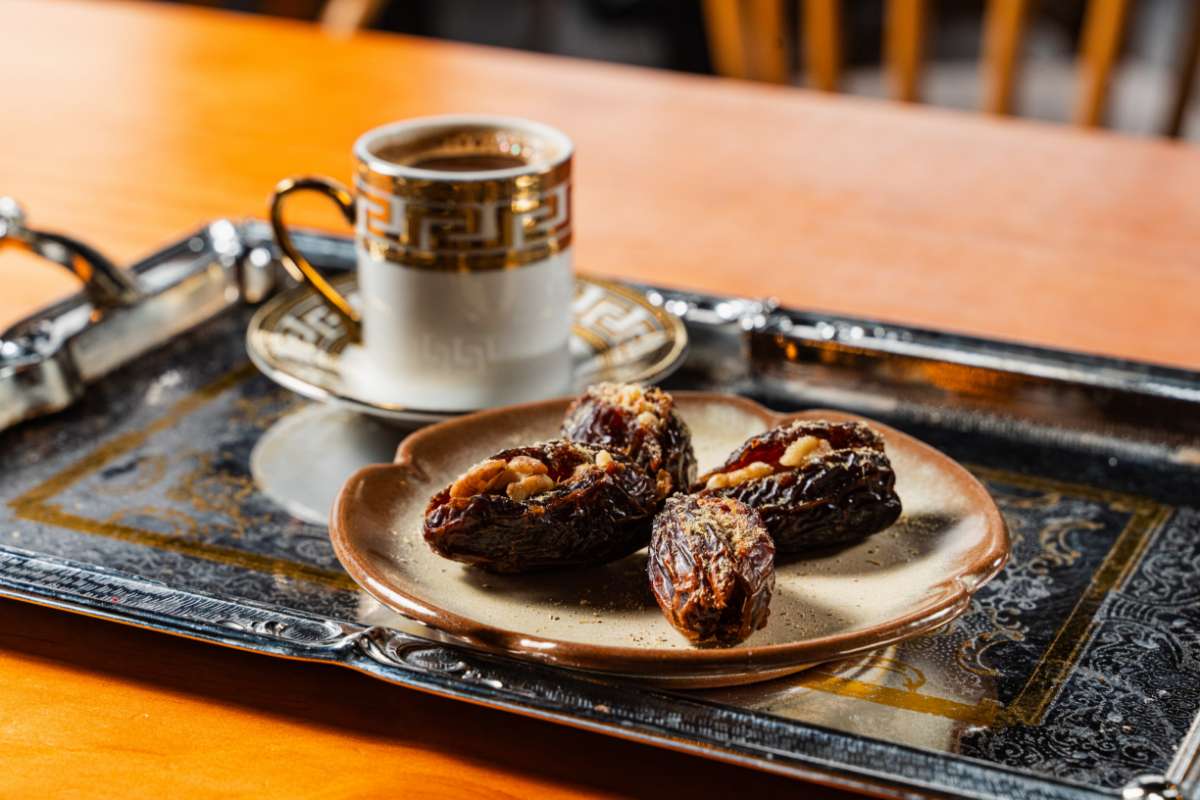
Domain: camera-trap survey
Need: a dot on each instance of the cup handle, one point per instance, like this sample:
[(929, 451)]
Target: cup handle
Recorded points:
[(297, 265)]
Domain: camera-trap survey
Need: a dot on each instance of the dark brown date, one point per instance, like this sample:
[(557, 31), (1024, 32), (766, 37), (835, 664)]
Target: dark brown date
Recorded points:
[(640, 423), (712, 568), (815, 483), (553, 504)]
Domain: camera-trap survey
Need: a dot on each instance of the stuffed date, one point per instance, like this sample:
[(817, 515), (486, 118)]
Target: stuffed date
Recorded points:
[(552, 504), (815, 483), (641, 423), (712, 568)]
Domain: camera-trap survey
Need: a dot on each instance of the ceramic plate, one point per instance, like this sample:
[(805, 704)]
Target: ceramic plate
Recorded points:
[(302, 345), (913, 577)]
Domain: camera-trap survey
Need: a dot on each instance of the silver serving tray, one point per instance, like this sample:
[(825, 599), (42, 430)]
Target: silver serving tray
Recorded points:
[(127, 495)]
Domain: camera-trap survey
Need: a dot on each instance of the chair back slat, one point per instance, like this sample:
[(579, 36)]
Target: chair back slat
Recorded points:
[(1189, 62), (341, 17), (1103, 27), (1003, 29), (904, 49), (768, 61), (821, 28), (726, 46), (746, 39)]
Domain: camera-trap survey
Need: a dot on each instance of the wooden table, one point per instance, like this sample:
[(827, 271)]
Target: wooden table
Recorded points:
[(129, 124)]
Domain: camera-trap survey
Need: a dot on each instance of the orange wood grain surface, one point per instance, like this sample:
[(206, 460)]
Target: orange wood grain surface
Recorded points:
[(129, 124), (96, 710)]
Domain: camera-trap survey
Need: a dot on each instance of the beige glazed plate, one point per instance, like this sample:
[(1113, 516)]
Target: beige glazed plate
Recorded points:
[(909, 579)]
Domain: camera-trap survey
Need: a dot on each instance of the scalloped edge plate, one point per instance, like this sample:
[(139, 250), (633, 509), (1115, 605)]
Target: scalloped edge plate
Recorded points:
[(910, 579)]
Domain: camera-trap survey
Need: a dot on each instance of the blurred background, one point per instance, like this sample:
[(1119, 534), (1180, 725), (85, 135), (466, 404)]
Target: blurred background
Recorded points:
[(1128, 65)]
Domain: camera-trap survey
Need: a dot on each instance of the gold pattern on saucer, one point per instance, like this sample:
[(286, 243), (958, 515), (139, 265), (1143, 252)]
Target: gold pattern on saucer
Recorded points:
[(618, 335)]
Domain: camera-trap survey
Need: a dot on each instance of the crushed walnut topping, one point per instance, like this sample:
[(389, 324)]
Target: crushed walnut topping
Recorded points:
[(647, 419), (649, 405), (633, 397), (723, 480), (520, 477), (797, 454), (663, 483), (803, 450), (478, 479), (603, 459), (529, 486), (526, 465)]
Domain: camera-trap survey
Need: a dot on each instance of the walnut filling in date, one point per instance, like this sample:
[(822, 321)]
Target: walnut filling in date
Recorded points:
[(519, 478), (547, 505), (797, 454), (815, 483), (712, 568), (640, 423)]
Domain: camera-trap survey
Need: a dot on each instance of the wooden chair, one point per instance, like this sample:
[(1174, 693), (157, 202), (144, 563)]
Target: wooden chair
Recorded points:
[(294, 9), (345, 16), (747, 40), (338, 17)]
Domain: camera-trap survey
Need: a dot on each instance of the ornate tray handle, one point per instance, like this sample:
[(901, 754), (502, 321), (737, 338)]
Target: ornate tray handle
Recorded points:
[(48, 359), (103, 283)]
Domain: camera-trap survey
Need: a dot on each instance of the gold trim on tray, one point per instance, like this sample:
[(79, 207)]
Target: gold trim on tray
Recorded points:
[(1057, 660), (37, 504), (827, 680)]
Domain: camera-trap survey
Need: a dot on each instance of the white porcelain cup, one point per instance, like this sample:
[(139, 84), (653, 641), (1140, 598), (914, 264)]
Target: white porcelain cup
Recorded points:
[(463, 232)]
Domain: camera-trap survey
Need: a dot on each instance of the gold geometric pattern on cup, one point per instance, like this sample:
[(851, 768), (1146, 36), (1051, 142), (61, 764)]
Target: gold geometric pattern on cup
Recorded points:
[(510, 225), (491, 234)]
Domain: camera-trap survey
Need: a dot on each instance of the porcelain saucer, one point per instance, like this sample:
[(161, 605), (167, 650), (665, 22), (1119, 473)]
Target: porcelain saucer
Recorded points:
[(299, 343)]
